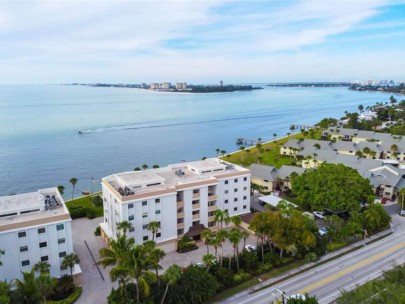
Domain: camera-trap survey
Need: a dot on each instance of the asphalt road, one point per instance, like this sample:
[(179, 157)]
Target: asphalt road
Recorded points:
[(327, 280)]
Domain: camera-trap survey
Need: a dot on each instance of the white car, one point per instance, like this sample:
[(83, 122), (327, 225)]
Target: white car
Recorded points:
[(322, 231), (298, 297), (319, 214), (251, 247)]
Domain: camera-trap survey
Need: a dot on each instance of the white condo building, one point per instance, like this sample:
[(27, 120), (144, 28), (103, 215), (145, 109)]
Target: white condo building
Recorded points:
[(34, 227), (182, 197)]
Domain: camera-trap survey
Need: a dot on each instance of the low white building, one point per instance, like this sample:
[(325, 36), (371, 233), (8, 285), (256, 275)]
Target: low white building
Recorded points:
[(34, 227), (182, 197)]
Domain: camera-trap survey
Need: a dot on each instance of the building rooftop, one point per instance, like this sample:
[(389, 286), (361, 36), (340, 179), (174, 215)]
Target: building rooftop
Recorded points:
[(23, 210), (172, 176)]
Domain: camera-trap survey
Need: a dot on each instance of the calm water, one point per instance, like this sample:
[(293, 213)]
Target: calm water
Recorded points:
[(126, 128)]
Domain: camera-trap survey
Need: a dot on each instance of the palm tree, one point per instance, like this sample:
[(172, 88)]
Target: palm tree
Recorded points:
[(208, 260), (42, 267), (124, 226), (45, 285), (215, 241), (70, 261), (317, 146), (26, 291), (236, 220), (222, 235), (145, 166), (61, 189), (153, 226), (361, 108), (401, 197), (217, 150), (223, 152), (156, 255), (221, 216), (206, 236), (73, 181), (244, 235), (171, 275), (234, 237), (274, 136)]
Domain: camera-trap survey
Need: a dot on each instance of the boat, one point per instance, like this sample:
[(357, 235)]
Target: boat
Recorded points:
[(86, 192), (80, 132)]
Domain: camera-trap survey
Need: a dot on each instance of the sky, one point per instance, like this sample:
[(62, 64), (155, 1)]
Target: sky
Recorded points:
[(201, 41)]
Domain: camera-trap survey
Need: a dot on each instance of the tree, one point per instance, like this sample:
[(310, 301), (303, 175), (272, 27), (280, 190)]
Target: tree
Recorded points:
[(61, 189), (376, 218), (2, 252), (70, 261), (171, 276), (26, 291), (208, 260), (223, 152), (361, 108), (317, 146), (42, 267), (206, 235), (155, 166), (156, 255), (245, 236), (221, 217), (153, 226), (236, 220), (217, 150), (274, 136), (145, 166), (222, 235), (234, 237), (137, 169), (124, 226), (335, 187), (5, 292), (73, 181), (401, 200)]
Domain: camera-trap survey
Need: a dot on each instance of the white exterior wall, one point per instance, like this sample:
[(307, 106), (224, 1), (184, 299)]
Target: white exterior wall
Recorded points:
[(13, 258)]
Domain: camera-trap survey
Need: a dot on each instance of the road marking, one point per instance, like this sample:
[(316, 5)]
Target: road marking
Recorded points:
[(351, 268)]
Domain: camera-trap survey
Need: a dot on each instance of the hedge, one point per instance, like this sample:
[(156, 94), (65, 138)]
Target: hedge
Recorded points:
[(70, 299)]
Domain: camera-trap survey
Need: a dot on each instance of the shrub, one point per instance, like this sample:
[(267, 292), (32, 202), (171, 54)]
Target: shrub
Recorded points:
[(265, 268), (97, 200), (311, 257), (77, 211), (97, 232), (249, 261), (90, 213), (186, 244), (272, 258), (225, 277), (64, 288), (335, 246), (241, 276), (70, 299)]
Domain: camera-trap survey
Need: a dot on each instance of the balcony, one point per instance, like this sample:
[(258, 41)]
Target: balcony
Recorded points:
[(213, 197), (181, 225), (196, 206), (212, 208), (180, 204), (196, 195), (211, 218), (180, 214), (196, 216)]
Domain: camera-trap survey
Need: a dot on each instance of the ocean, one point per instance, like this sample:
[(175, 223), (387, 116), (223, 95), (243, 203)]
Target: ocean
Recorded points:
[(126, 128)]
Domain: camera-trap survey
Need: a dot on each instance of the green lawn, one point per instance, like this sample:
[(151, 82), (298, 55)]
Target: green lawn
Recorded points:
[(85, 201)]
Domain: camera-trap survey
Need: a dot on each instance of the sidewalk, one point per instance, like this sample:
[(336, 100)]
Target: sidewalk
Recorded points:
[(303, 267)]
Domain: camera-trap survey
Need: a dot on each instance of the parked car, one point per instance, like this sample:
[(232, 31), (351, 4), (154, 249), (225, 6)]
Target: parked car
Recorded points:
[(319, 214), (323, 230), (401, 212), (251, 247)]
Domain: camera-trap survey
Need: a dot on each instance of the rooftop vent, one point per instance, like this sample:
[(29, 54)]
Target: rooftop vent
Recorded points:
[(51, 202)]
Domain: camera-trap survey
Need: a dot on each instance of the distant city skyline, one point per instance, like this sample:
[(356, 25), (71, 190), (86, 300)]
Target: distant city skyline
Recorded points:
[(201, 41)]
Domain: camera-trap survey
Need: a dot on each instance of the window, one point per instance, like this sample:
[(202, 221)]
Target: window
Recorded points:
[(180, 231), (62, 254), (145, 214), (211, 224), (158, 234), (226, 191), (245, 179), (25, 263), (244, 206), (196, 191), (61, 241), (131, 229), (244, 188), (131, 218), (23, 248), (196, 212), (211, 213), (235, 199), (22, 234), (226, 182), (60, 227), (41, 230), (235, 190), (157, 200), (245, 197), (145, 226), (235, 209), (180, 220), (157, 211), (43, 244), (226, 201), (145, 237), (179, 210), (44, 258), (63, 268), (195, 202), (212, 203), (144, 203), (196, 223), (130, 206), (235, 180)]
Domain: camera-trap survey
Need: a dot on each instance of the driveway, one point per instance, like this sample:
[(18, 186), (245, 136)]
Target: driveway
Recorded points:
[(95, 289)]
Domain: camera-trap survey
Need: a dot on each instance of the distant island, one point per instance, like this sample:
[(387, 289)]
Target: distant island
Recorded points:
[(388, 88), (180, 87), (311, 84)]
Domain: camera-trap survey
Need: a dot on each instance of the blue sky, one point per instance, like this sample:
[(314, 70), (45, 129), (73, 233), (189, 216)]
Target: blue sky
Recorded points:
[(201, 41)]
